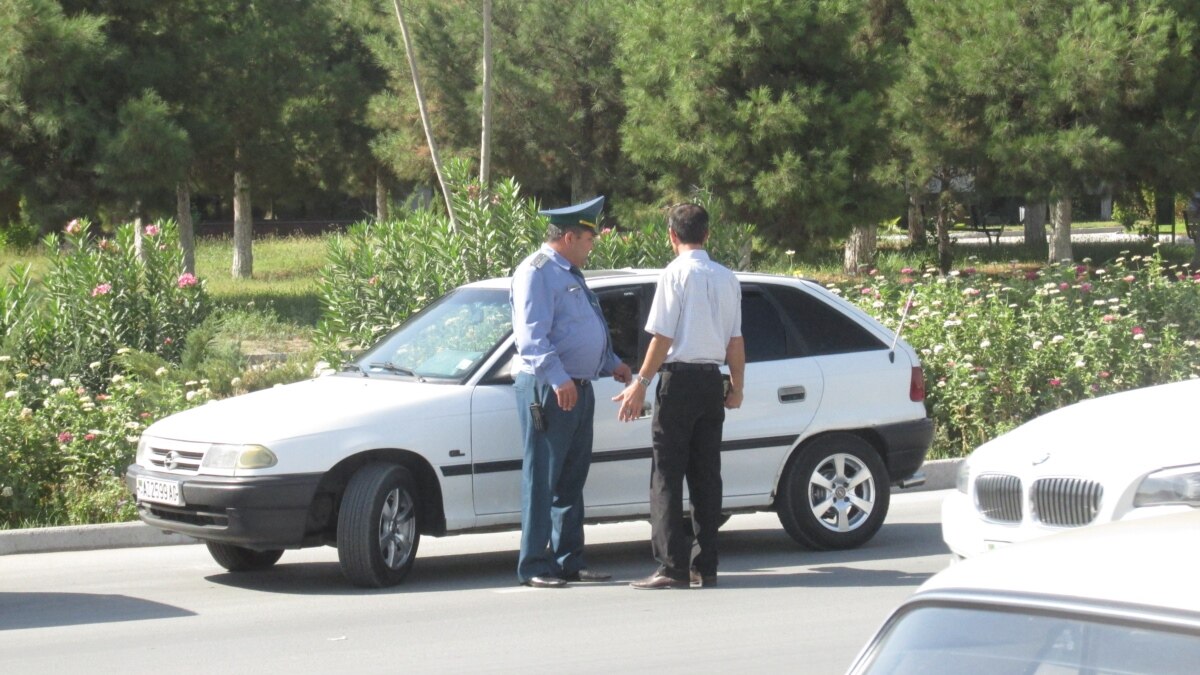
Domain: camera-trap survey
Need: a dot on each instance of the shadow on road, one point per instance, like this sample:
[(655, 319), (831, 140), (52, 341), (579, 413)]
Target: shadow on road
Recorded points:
[(750, 558), (44, 610)]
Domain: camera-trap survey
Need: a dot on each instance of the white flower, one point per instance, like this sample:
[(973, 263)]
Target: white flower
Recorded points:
[(132, 439), (94, 365), (235, 382), (123, 350), (985, 344), (190, 395), (117, 378), (1139, 336), (1146, 345), (162, 370), (7, 491), (1037, 344), (56, 382), (4, 359), (10, 394), (1056, 339), (132, 425), (937, 349)]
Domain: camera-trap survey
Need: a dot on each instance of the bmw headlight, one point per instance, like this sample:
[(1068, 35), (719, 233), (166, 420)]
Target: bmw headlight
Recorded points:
[(1180, 485), (239, 457)]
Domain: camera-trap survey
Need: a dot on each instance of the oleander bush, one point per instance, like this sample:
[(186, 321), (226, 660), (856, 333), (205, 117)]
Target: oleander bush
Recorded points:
[(999, 349)]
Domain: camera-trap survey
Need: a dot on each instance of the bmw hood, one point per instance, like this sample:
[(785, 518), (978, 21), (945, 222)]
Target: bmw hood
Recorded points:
[(1138, 429), (318, 406)]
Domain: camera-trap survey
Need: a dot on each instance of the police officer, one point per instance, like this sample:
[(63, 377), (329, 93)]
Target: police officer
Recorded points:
[(563, 343), (696, 321)]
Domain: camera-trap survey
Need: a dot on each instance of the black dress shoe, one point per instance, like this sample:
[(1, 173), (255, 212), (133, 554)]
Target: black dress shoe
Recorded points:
[(586, 576), (659, 580), (545, 582), (703, 580)]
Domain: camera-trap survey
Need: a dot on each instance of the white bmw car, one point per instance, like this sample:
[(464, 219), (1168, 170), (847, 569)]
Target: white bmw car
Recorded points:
[(1117, 457)]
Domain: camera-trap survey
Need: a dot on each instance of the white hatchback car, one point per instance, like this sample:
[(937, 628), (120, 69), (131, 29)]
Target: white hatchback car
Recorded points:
[(1115, 599), (420, 434), (1121, 456)]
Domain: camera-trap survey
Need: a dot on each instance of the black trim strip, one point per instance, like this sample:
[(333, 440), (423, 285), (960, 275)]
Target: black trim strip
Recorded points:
[(614, 456)]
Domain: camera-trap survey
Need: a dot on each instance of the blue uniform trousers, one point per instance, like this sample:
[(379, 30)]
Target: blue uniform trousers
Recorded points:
[(553, 472)]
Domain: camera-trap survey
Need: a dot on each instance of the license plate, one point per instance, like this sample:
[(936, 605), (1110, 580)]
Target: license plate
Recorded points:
[(991, 545), (159, 491)]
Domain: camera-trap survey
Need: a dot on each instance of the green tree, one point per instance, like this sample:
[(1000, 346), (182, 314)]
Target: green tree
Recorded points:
[(774, 106)]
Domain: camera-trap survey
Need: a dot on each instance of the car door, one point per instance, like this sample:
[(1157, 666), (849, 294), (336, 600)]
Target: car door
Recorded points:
[(620, 473), (783, 391)]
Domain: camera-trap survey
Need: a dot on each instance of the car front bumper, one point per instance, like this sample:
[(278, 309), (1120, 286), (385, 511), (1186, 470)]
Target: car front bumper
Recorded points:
[(257, 512)]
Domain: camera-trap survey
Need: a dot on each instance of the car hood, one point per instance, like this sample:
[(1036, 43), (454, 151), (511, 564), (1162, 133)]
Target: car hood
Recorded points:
[(1144, 429), (318, 406)]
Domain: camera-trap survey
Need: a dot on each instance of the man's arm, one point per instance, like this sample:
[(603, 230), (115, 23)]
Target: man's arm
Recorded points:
[(632, 399), (735, 356)]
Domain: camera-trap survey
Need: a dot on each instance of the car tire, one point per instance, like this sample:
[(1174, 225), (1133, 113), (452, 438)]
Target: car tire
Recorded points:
[(834, 493), (377, 535), (240, 559)]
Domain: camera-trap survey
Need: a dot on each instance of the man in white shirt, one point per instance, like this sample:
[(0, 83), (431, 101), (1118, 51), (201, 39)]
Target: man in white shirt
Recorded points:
[(696, 320)]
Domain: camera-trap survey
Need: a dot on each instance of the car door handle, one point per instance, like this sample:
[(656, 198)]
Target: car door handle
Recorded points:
[(791, 394)]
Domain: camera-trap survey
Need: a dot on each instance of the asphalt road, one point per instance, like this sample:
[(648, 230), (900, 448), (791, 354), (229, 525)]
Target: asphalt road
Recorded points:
[(171, 609)]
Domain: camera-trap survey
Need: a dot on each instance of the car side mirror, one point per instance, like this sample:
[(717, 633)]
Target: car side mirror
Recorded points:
[(504, 372)]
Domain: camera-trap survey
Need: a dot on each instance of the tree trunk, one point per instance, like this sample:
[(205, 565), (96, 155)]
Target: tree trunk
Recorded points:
[(433, 153), (1060, 240), (381, 196), (485, 142), (243, 256), (945, 255), (916, 224), (1035, 225), (139, 236), (860, 249), (183, 216)]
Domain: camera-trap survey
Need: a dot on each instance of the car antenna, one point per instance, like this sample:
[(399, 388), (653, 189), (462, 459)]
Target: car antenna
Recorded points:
[(904, 315)]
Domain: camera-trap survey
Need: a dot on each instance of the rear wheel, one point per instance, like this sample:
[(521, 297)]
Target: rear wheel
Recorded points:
[(239, 559), (377, 535), (834, 493)]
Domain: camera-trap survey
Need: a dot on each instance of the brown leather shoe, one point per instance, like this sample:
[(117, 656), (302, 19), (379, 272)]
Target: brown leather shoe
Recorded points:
[(702, 580), (657, 581), (545, 582)]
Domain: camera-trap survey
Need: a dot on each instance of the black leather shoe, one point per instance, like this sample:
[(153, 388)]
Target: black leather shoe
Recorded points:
[(586, 576), (545, 582), (703, 580), (657, 581)]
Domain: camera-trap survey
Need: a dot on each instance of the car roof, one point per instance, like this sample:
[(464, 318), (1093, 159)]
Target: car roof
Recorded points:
[(1148, 562), (629, 274)]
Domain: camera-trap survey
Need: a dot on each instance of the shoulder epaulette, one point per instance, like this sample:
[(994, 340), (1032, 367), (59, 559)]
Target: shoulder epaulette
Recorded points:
[(539, 260)]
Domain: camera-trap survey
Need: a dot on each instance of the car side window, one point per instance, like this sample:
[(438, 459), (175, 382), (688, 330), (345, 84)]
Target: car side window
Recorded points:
[(822, 328), (762, 328), (623, 311)]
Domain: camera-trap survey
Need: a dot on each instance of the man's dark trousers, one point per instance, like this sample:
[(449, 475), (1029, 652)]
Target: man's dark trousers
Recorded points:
[(553, 473), (689, 413)]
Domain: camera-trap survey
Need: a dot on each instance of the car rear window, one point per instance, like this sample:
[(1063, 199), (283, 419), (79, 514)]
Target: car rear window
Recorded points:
[(823, 328)]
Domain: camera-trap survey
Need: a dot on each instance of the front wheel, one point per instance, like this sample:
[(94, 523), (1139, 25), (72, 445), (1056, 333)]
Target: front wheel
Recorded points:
[(834, 493), (377, 534), (239, 559)]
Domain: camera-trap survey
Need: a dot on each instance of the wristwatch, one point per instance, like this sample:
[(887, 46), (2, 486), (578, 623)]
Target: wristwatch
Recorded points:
[(645, 382)]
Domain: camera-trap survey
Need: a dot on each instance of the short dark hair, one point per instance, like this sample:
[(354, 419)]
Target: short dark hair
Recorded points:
[(556, 232), (689, 222)]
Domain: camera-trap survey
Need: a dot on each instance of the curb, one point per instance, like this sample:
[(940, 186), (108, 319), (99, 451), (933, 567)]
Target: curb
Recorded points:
[(939, 475)]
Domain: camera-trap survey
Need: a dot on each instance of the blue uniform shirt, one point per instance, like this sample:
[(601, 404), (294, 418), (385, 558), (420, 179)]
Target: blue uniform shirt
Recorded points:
[(557, 323)]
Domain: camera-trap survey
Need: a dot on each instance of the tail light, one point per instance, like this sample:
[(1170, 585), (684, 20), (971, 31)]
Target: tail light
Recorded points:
[(916, 385)]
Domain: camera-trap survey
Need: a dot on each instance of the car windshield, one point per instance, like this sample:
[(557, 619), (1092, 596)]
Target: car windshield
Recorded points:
[(970, 640), (446, 340)]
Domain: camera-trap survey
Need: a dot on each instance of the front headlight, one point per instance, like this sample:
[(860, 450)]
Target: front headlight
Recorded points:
[(963, 477), (239, 457), (1180, 485), (142, 449)]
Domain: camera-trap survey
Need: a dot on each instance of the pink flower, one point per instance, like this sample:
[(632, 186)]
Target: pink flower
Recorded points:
[(373, 280), (1055, 382), (102, 289), (152, 230), (144, 415), (1095, 387), (1108, 318), (1129, 278), (1104, 374), (73, 227), (971, 292), (106, 245), (968, 271), (102, 397), (1080, 269), (867, 291), (89, 437), (605, 231), (1064, 286), (187, 280), (906, 270), (167, 341), (65, 437), (1085, 287), (1031, 275), (1138, 330)]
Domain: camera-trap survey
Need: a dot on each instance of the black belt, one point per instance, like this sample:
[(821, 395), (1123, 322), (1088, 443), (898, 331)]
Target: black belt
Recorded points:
[(677, 366), (580, 382)]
